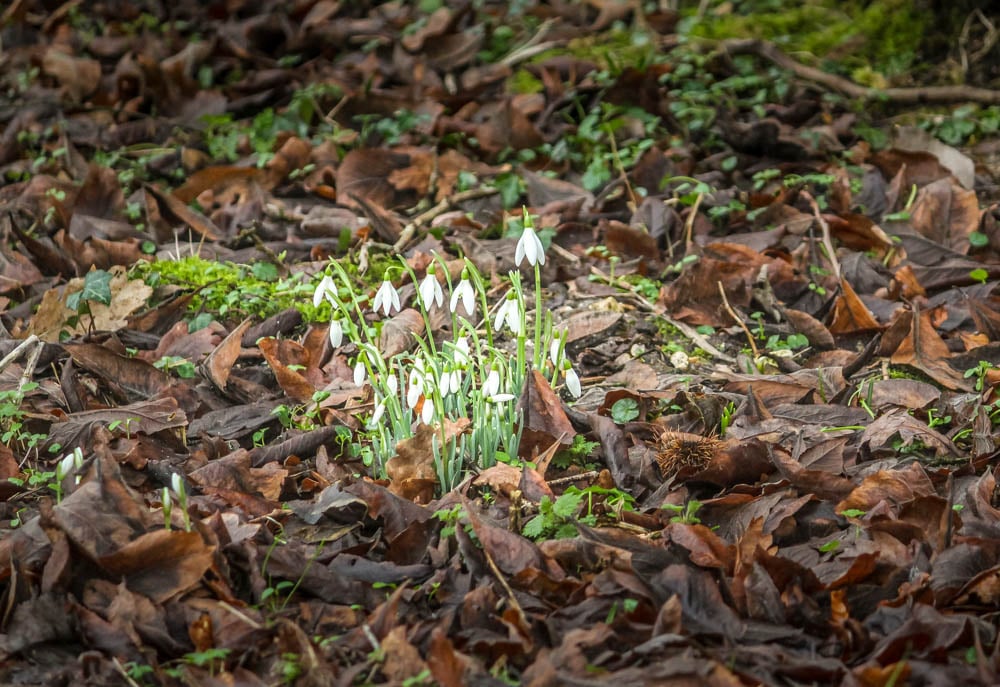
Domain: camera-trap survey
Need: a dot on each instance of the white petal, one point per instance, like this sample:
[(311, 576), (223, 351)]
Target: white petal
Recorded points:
[(554, 351), (412, 396), (520, 251), (573, 383), (392, 384), (500, 398), (359, 373), (377, 415), (65, 465), (427, 412), (336, 333), (176, 483), (492, 384)]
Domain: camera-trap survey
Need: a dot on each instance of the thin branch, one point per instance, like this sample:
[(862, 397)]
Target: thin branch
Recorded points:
[(738, 319), (428, 216), (827, 240), (941, 95)]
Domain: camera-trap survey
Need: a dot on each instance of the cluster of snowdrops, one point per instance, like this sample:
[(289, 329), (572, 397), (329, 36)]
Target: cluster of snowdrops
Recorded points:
[(465, 376)]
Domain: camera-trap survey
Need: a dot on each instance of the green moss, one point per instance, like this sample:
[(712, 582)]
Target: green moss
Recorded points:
[(233, 292), (870, 40)]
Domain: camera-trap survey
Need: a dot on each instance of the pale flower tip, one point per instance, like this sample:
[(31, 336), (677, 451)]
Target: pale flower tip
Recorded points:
[(176, 483), (573, 383)]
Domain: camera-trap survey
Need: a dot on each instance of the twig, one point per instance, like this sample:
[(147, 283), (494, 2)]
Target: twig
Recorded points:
[(532, 46), (738, 319), (10, 357), (503, 583), (825, 228), (572, 478), (428, 216), (124, 673), (904, 96), (685, 329), (689, 223)]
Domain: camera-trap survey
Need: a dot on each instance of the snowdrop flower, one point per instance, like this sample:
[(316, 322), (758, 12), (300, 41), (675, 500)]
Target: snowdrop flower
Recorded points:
[(430, 290), (386, 298), (500, 398), (392, 384), (177, 484), (529, 245), (462, 351), (464, 293), (427, 412), (509, 312), (336, 332), (378, 412), (572, 380), (418, 384), (325, 289), (491, 387), (65, 465), (360, 372)]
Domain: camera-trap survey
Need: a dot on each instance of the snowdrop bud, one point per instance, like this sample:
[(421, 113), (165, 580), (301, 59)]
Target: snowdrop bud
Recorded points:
[(427, 412), (572, 382), (177, 484), (336, 332), (392, 384), (377, 415), (360, 372), (491, 387), (65, 466)]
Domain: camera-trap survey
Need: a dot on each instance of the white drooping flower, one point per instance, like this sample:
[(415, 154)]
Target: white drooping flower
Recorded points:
[(430, 290), (325, 289), (464, 293), (500, 398), (386, 298), (529, 245), (427, 412), (177, 484), (509, 312), (336, 332), (360, 372), (377, 413), (419, 383), (462, 352), (491, 387), (572, 380)]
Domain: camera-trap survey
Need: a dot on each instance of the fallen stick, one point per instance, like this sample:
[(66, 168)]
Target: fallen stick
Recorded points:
[(940, 95)]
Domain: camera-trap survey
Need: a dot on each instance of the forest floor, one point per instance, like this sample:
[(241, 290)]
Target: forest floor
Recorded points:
[(691, 379)]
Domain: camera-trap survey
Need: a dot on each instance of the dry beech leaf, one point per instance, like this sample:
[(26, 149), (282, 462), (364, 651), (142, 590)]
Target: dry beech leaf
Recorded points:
[(219, 363)]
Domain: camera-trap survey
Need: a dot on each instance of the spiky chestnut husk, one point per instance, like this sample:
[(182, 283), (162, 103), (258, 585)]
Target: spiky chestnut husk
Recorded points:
[(684, 452)]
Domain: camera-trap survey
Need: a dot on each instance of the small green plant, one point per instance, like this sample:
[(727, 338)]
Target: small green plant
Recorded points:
[(182, 367), (624, 410), (15, 435), (686, 514), (578, 453), (554, 519), (979, 372), (627, 605)]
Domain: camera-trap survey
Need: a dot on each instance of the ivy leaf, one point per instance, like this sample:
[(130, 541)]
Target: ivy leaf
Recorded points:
[(96, 287)]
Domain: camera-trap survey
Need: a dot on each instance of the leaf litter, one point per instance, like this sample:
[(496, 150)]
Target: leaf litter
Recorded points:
[(781, 471)]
